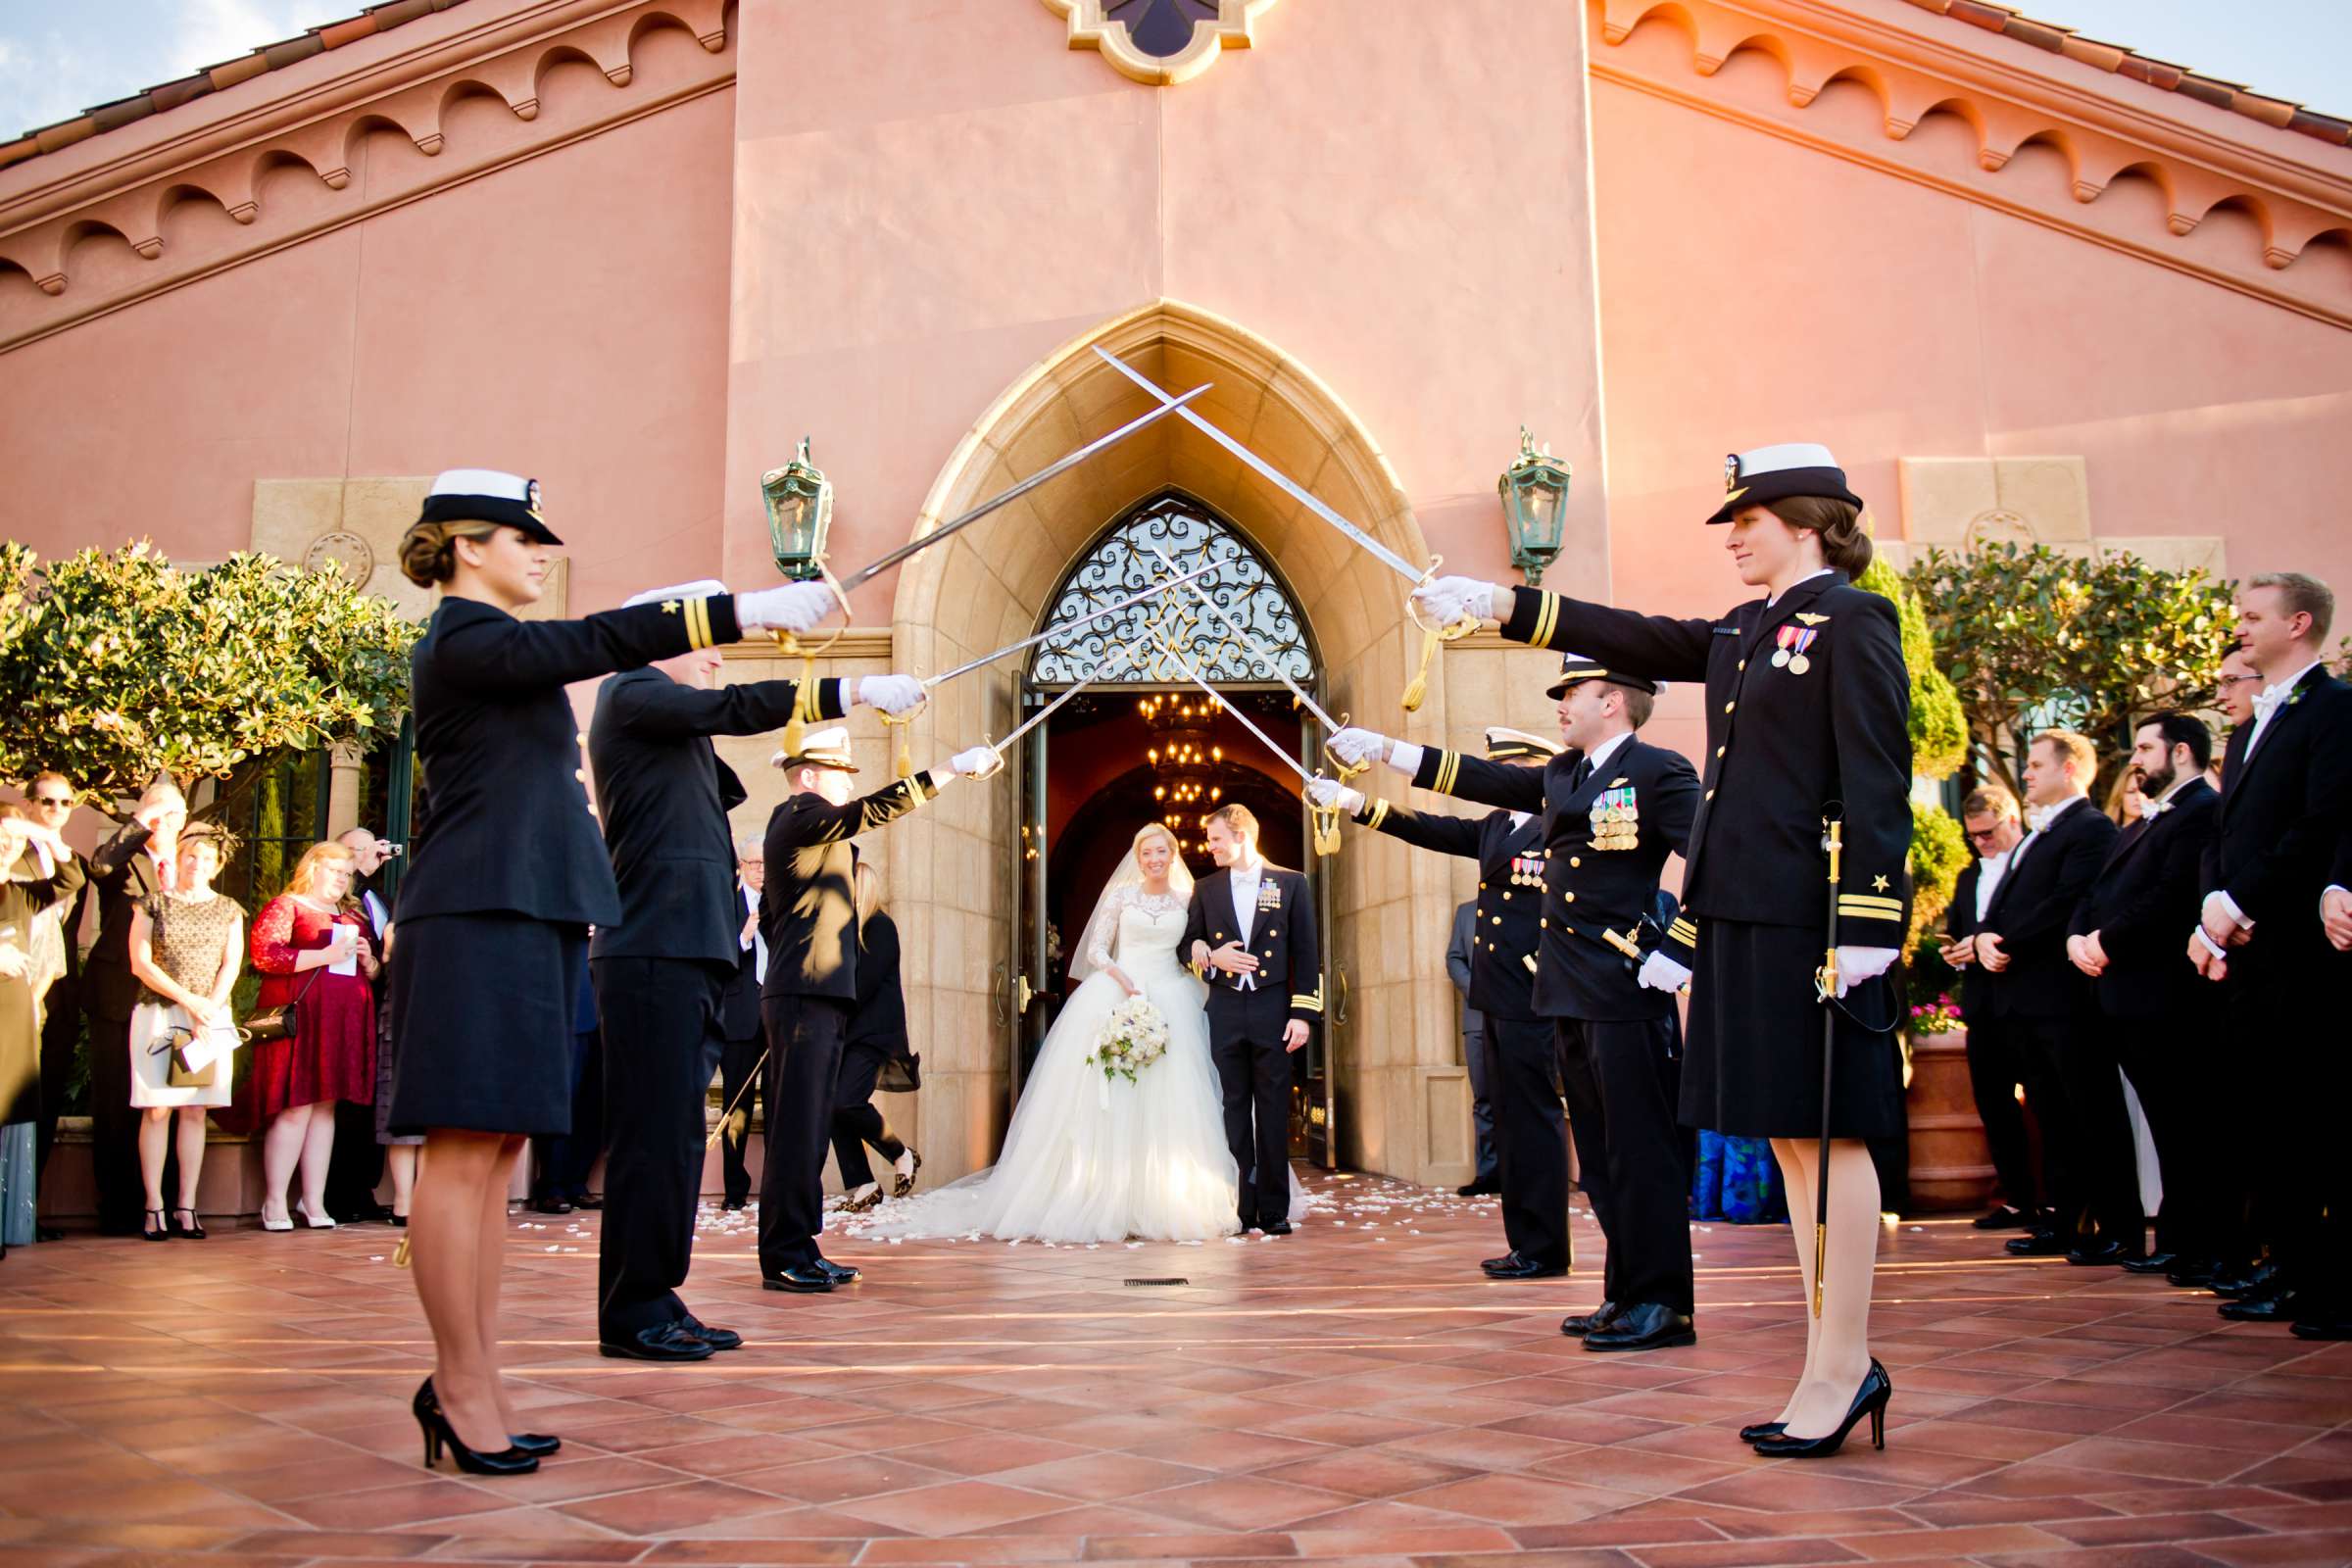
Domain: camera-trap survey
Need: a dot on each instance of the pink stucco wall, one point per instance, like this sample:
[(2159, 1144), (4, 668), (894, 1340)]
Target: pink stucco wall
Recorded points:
[(562, 317)]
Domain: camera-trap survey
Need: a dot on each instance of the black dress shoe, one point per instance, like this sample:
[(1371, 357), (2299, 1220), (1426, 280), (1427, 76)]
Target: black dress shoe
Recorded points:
[(2190, 1274), (551, 1204), (1527, 1268), (586, 1200), (803, 1277), (2283, 1308), (2003, 1218), (716, 1338), (842, 1273), (2101, 1255), (1506, 1261), (1477, 1190), (735, 1205), (1580, 1324), (663, 1341), (2153, 1263), (1275, 1227), (2256, 1281), (2038, 1244), (2321, 1328), (1648, 1326), (47, 1233)]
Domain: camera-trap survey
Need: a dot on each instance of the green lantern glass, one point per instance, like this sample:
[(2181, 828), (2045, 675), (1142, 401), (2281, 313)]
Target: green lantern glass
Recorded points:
[(800, 514), (1535, 506)]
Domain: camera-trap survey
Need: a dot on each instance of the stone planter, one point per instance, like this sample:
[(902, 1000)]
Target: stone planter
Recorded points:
[(1951, 1163)]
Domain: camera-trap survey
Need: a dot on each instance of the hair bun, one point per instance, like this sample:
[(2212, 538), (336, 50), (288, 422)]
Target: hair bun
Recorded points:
[(424, 553)]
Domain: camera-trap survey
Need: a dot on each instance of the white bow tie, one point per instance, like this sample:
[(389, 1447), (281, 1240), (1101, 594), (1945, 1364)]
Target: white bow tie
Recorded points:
[(2150, 808), (2039, 818), (2267, 702)]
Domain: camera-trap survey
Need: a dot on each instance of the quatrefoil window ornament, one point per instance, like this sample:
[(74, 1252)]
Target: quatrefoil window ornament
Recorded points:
[(1160, 42)]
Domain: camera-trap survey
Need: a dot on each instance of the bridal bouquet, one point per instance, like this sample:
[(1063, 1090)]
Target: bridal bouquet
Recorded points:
[(1133, 1038)]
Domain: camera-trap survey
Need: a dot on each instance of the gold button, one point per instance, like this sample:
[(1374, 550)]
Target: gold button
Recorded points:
[(1482, 887), (1719, 750), (1498, 920), (1571, 930), (581, 773), (1543, 925), (1727, 707), (1569, 897), (1743, 663), (1575, 861), (1506, 898), (1490, 946), (1710, 795)]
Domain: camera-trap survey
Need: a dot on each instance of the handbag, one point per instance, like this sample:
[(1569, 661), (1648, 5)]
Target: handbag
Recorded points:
[(283, 1022), (179, 1074)]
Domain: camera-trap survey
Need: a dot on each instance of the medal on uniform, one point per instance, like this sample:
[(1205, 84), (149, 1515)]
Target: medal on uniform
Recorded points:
[(1780, 654), (1798, 663)]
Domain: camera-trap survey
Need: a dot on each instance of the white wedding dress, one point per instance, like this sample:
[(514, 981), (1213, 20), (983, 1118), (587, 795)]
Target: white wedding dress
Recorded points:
[(1087, 1159)]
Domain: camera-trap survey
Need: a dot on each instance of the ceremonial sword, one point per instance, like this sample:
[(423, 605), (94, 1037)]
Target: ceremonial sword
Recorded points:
[(1430, 635), (1327, 841), (1070, 625)]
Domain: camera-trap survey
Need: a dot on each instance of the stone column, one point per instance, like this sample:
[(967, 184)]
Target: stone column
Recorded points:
[(344, 766)]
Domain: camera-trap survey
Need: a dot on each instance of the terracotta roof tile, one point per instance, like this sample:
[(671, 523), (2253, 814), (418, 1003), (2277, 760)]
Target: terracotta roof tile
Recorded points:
[(2157, 73), (371, 20)]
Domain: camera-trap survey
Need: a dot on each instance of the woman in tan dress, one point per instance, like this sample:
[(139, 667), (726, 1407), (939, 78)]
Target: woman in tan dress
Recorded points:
[(186, 946)]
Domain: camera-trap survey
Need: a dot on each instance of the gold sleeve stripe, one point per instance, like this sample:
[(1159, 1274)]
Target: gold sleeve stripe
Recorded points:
[(1309, 1003), (1865, 901), (697, 623), (1380, 814), (1449, 767), (1547, 619), (807, 702)]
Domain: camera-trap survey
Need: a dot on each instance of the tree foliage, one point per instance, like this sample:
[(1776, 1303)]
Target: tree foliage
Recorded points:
[(116, 666), (1938, 855), (2031, 638), (1939, 727)]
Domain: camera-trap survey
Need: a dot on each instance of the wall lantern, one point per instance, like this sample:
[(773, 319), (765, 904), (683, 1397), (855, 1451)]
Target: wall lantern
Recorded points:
[(1535, 503), (800, 513)]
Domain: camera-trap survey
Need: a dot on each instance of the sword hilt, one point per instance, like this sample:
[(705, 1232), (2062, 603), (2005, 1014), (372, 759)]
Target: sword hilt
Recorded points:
[(1452, 631), (1820, 1260), (902, 765)]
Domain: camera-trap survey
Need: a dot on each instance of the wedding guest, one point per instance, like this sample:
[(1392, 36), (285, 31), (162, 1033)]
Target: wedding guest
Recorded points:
[(307, 944), (2124, 800), (1486, 1176), (356, 1168), (496, 908), (1989, 818), (29, 883), (874, 1054), (186, 947), (50, 798), (2233, 694), (1807, 702), (130, 865), (741, 1054), (398, 1152)]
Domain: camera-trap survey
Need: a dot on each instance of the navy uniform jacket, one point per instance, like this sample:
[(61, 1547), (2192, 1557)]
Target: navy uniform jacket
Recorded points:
[(664, 796), (2278, 826), (1282, 936), (1781, 743), (1605, 844), (510, 831), (1506, 921), (808, 907), (2048, 874), (2144, 902), (739, 1001)]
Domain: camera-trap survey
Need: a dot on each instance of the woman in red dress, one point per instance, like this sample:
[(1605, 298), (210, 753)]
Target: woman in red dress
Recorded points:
[(310, 957)]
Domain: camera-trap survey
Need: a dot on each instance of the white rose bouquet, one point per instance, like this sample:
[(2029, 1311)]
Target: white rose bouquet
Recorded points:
[(1132, 1039)]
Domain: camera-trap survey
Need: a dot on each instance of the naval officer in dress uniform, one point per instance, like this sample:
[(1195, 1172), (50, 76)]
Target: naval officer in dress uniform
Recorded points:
[(809, 919), (496, 908), (1807, 706), (1613, 809), (663, 968), (1523, 1085)]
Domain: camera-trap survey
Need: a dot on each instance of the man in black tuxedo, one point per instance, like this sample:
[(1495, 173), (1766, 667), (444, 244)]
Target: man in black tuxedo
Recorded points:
[(742, 1044), (2126, 938), (1251, 932), (660, 971), (131, 866), (2046, 1004), (1486, 1174), (1989, 818), (2263, 932)]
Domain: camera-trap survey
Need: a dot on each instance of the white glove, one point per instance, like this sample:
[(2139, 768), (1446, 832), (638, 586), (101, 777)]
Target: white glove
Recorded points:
[(1449, 598), (1357, 746), (1661, 973), (1857, 964), (1329, 792), (794, 607), (892, 694), (974, 762)]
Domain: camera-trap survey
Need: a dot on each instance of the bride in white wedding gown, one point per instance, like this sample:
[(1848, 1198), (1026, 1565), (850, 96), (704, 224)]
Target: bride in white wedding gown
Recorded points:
[(1092, 1160)]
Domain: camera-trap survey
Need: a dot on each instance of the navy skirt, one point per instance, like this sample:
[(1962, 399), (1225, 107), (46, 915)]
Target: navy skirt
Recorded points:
[(483, 1023), (1752, 1064)]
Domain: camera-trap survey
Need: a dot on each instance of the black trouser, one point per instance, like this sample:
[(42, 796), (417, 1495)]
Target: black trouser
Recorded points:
[(803, 1064), (356, 1164), (1253, 1071), (858, 1122), (2299, 1080), (2158, 1054), (1993, 1074), (115, 1130), (738, 1070), (659, 1018), (1479, 1062), (1531, 1139), (2087, 1150), (61, 1031), (1623, 1079), (565, 1161)]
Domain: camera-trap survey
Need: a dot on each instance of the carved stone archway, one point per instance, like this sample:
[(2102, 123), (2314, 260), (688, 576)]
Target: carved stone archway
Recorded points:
[(952, 872)]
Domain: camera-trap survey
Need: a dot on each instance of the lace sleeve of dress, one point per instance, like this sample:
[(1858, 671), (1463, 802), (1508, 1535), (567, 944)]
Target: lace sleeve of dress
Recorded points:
[(1097, 953), (273, 949)]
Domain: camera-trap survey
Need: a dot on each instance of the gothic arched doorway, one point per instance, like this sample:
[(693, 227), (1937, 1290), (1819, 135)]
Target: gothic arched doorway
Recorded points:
[(1145, 744)]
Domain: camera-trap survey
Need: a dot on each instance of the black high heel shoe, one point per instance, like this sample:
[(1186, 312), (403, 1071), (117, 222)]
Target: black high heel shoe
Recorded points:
[(1762, 1429), (1869, 1400), (509, 1461), (538, 1444), (193, 1230), (162, 1232)]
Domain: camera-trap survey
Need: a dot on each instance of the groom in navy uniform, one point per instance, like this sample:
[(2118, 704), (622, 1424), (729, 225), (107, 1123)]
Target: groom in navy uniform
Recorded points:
[(1250, 933)]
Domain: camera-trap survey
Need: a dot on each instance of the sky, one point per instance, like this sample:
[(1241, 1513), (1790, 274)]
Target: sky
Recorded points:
[(61, 57)]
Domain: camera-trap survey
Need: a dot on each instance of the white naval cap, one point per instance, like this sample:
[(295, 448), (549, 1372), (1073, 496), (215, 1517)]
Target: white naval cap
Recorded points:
[(819, 748), (1776, 472), (487, 494)]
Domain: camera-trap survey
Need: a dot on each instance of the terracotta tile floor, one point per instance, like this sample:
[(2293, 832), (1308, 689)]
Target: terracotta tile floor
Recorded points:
[(1354, 1394)]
